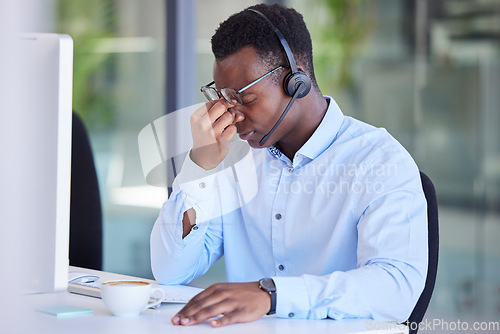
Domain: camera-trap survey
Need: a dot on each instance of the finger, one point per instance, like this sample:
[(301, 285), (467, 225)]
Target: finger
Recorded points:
[(211, 311), (223, 122), (217, 110), (228, 133), (203, 110), (195, 306), (206, 297), (176, 320), (213, 120), (228, 318), (200, 118)]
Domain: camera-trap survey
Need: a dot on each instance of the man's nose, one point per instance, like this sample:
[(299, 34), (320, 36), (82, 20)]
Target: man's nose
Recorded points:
[(237, 115)]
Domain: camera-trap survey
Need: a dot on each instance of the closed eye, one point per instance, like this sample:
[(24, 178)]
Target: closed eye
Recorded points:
[(248, 98)]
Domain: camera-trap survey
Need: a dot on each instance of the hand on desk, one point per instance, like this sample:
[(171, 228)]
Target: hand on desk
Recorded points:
[(237, 302)]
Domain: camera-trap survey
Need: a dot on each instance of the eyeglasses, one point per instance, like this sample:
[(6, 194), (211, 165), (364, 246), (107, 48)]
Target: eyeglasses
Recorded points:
[(231, 95)]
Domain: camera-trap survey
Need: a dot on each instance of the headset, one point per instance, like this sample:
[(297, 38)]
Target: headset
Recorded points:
[(296, 83)]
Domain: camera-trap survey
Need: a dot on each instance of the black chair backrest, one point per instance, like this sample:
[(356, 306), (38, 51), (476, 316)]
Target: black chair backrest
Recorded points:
[(85, 241), (433, 231)]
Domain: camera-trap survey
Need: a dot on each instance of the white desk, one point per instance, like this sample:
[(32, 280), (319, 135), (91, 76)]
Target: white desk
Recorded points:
[(158, 321)]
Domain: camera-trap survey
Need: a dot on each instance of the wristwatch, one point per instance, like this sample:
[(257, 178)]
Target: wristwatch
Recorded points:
[(267, 284)]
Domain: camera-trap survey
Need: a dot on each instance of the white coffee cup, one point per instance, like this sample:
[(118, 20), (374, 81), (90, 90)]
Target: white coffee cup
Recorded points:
[(129, 298)]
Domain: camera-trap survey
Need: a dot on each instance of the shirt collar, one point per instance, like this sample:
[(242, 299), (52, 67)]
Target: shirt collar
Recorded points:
[(325, 133), (323, 136), (274, 150)]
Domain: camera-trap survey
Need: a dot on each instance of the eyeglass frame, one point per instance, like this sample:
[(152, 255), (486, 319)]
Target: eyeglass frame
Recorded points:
[(238, 92)]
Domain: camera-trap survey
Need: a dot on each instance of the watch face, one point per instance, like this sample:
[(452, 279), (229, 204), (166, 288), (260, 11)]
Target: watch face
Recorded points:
[(268, 284)]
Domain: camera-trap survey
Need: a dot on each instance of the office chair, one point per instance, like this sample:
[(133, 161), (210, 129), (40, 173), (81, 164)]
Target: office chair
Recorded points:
[(85, 241), (433, 241)]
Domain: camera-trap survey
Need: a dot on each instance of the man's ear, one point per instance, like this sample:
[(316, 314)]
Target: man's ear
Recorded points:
[(300, 68)]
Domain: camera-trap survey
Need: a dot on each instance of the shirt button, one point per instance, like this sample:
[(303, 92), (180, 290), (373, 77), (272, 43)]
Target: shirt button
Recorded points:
[(202, 185), (290, 169), (291, 315), (195, 227), (281, 267), (277, 216)]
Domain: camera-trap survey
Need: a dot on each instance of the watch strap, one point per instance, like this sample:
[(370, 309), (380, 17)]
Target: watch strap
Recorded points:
[(265, 284), (272, 310)]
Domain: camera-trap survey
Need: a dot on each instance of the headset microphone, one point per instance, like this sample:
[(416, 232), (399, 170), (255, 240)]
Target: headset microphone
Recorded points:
[(294, 97), (296, 83)]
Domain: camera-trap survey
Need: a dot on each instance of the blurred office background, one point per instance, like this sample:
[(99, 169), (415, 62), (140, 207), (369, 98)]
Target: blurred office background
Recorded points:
[(427, 70)]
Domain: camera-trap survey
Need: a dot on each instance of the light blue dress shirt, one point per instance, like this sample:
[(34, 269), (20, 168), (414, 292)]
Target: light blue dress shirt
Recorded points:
[(342, 229)]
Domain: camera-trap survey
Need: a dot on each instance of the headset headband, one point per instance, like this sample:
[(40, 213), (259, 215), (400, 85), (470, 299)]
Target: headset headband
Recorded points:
[(286, 47)]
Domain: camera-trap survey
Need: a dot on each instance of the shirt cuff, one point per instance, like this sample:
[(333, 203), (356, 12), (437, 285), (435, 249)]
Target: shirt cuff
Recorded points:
[(196, 235), (197, 186), (292, 297)]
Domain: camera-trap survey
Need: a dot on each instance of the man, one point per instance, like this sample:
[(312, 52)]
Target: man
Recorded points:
[(337, 227)]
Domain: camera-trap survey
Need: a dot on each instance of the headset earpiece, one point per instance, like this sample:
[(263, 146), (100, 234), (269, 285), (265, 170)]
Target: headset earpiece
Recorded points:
[(293, 81)]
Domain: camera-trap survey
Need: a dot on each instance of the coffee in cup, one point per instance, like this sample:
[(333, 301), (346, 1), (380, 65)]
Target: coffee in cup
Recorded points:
[(129, 298)]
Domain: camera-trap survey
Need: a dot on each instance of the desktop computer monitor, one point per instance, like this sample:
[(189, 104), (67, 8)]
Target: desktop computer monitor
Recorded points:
[(36, 171)]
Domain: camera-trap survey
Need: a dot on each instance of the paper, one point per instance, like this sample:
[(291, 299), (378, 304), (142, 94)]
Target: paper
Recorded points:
[(65, 310)]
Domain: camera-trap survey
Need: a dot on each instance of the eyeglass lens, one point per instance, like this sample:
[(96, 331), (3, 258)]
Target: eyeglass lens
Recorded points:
[(210, 93), (229, 94)]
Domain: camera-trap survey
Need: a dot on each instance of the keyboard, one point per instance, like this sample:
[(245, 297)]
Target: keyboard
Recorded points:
[(92, 289)]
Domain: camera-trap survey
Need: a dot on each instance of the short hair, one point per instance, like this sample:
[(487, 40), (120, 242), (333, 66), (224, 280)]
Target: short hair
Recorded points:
[(247, 28)]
